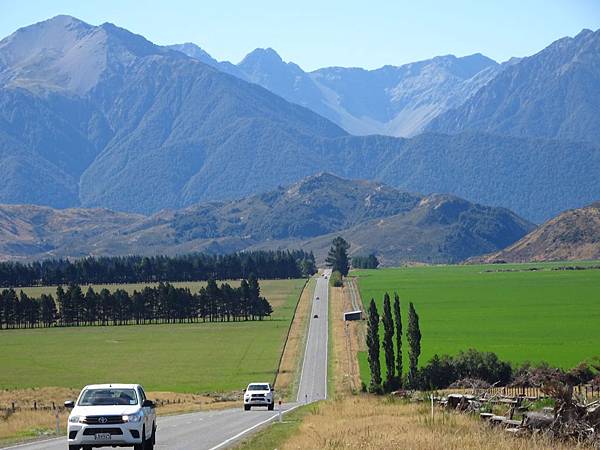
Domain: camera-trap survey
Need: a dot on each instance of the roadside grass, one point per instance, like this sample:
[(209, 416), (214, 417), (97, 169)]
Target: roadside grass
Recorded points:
[(343, 368), (370, 422), (26, 423), (272, 436), (192, 358), (347, 340), (288, 375), (524, 315)]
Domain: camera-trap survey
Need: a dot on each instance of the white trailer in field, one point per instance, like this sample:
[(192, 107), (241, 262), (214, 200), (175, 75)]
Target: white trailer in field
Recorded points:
[(353, 315)]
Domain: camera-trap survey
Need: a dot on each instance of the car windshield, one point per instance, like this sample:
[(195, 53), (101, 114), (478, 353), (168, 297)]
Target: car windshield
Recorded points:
[(98, 397), (258, 387)]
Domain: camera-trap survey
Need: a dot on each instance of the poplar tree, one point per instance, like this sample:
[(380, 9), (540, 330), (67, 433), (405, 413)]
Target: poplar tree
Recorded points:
[(398, 320), (388, 344), (373, 348), (414, 343)]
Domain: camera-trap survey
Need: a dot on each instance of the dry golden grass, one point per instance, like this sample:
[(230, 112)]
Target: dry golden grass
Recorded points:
[(368, 422), (290, 362), (28, 423), (346, 373)]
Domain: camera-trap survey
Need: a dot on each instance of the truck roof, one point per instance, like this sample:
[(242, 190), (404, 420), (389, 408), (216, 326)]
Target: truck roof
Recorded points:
[(113, 385)]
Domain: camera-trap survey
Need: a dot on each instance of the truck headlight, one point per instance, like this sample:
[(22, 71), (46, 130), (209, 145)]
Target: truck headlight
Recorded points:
[(136, 417), (76, 419)]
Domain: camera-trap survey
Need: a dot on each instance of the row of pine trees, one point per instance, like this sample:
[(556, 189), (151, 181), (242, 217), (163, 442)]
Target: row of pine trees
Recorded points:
[(392, 346), (163, 303), (147, 269)]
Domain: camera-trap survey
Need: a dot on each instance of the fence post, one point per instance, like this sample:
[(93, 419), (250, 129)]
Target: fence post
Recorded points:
[(13, 407), (35, 406)]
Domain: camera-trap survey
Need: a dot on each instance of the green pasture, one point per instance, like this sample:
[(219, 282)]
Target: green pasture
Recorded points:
[(204, 357), (522, 312)]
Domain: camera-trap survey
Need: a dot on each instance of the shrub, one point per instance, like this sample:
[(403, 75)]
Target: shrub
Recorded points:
[(336, 279), (441, 371)]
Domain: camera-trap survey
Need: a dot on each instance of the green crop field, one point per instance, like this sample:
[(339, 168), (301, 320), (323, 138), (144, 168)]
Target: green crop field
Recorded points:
[(200, 357), (523, 315)]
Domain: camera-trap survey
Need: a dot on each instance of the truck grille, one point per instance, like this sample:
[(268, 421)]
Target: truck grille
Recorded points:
[(103, 420), (93, 431)]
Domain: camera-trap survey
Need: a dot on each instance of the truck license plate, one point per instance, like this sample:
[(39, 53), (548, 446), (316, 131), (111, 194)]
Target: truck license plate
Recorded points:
[(102, 436)]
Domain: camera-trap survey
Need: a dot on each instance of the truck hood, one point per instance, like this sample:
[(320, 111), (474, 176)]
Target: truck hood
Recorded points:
[(107, 410)]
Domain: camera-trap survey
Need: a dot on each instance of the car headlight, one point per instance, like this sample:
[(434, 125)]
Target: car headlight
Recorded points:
[(136, 417), (76, 419)]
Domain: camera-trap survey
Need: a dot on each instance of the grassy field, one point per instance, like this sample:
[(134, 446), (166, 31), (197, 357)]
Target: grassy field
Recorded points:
[(178, 358), (194, 286), (523, 315)]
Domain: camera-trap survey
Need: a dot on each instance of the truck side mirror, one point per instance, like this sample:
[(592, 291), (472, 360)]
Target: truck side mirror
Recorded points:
[(69, 404), (148, 404)]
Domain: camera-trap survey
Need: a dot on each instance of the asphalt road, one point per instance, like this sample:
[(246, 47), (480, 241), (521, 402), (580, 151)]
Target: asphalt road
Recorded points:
[(211, 430), (313, 381)]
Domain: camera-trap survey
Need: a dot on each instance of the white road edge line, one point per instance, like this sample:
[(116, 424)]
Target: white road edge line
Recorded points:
[(298, 399), (25, 444), (327, 340), (248, 430)]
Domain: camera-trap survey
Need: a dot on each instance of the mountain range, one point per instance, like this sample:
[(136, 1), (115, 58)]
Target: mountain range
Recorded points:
[(398, 226), (395, 101), (554, 94), (98, 117)]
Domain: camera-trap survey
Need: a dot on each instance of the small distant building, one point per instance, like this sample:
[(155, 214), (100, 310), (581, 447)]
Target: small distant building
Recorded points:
[(353, 315)]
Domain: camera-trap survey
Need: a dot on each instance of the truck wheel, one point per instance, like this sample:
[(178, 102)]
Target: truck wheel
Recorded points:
[(141, 446), (153, 434), (247, 407), (271, 406), (149, 444), (74, 447)]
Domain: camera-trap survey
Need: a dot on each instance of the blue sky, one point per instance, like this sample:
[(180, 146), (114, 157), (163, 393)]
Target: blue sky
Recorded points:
[(317, 33)]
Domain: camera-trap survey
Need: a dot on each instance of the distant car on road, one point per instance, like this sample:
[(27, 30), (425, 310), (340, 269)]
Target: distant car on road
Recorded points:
[(112, 415), (316, 316), (317, 297), (259, 394)]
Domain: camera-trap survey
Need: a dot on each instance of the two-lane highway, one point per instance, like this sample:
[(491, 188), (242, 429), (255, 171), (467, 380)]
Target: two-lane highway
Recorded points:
[(313, 380), (211, 430)]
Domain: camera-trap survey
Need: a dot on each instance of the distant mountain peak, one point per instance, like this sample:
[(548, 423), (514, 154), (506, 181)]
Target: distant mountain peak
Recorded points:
[(584, 33), (261, 55), (194, 51)]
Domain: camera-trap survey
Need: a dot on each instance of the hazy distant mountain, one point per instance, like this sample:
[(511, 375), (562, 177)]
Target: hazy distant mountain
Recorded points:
[(394, 101), (572, 235), (196, 52), (136, 126), (397, 226), (554, 94), (100, 117)]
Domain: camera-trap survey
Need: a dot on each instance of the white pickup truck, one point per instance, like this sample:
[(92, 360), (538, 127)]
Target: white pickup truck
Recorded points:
[(112, 415), (259, 394)]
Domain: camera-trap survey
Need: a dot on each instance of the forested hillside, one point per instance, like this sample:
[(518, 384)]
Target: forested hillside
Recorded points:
[(96, 116)]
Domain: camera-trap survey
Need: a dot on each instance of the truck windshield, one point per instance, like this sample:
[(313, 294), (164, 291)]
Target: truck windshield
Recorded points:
[(99, 397), (258, 387)]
